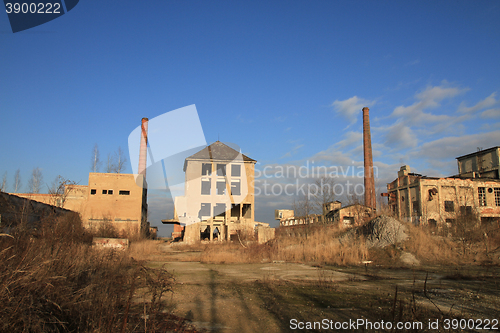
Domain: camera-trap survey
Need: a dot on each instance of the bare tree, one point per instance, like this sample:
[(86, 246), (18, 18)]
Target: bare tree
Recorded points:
[(17, 180), (3, 186), (302, 207), (120, 160), (35, 182), (95, 161), (110, 164), (60, 190), (324, 194)]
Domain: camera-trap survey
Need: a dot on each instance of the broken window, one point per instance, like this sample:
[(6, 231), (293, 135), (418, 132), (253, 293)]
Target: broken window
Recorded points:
[(432, 223), (497, 196), (235, 187), (482, 196), (235, 211), (206, 186), (449, 206), (221, 170), (236, 170), (124, 192), (450, 222), (104, 191), (110, 191), (220, 209), (205, 211), (93, 191), (247, 211), (221, 187), (206, 169)]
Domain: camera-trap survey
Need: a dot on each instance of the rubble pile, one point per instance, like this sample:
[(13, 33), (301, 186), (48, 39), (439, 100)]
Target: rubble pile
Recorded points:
[(382, 231)]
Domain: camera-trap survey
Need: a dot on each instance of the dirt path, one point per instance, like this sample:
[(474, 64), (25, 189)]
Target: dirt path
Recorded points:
[(266, 297)]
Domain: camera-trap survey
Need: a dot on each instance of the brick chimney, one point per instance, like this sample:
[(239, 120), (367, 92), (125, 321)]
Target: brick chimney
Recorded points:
[(367, 152), (143, 152)]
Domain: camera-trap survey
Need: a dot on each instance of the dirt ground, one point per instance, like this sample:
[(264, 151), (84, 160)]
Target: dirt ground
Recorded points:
[(283, 297)]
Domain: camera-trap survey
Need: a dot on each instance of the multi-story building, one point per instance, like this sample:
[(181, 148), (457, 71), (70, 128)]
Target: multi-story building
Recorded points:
[(218, 195)]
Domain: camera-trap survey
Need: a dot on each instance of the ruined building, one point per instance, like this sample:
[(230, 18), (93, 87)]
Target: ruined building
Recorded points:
[(115, 198), (219, 198), (437, 201), (335, 214)]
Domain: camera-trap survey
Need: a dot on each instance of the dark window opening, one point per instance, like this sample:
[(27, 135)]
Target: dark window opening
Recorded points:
[(221, 187), (104, 191), (449, 206), (236, 187), (432, 223), (466, 210), (416, 208), (206, 186), (110, 191), (122, 192), (450, 222), (93, 191), (497, 196), (235, 211), (247, 211), (221, 170), (206, 169), (236, 170)]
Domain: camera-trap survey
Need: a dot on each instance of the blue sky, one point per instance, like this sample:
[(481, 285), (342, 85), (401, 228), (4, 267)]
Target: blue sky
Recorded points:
[(285, 80)]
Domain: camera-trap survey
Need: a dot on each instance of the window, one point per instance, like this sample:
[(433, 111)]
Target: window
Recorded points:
[(104, 191), (221, 187), (432, 223), (235, 187), (205, 210), (497, 196), (221, 170), (466, 210), (110, 191), (416, 208), (450, 222), (206, 169), (482, 196), (236, 170), (449, 206), (220, 209), (206, 186), (123, 192), (93, 191)]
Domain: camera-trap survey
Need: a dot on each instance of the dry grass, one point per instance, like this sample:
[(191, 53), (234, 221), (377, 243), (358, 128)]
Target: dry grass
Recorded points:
[(144, 248), (52, 280), (319, 245)]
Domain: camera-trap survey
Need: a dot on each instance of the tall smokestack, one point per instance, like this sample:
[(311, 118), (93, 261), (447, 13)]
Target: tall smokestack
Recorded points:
[(367, 152), (143, 152)]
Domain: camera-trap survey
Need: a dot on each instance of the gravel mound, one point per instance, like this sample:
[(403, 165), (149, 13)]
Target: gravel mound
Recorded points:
[(382, 231)]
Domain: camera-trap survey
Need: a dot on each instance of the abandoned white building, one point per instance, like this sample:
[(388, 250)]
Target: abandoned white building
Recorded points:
[(219, 198), (436, 201)]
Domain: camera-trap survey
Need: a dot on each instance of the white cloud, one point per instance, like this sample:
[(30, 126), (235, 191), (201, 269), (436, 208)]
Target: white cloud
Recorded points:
[(400, 136), (351, 108), (491, 113), (485, 103)]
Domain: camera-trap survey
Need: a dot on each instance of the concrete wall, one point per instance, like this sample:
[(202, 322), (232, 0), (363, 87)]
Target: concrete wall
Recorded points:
[(109, 197)]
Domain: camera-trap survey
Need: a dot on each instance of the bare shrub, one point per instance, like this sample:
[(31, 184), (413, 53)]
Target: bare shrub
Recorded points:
[(52, 280)]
